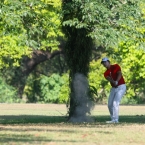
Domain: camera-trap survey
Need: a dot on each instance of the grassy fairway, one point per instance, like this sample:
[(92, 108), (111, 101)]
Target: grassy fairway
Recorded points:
[(45, 124)]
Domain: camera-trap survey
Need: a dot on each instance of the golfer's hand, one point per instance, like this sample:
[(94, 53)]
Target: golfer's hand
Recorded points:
[(109, 79), (115, 83)]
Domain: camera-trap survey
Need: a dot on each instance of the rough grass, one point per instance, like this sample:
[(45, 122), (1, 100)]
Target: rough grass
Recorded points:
[(45, 124)]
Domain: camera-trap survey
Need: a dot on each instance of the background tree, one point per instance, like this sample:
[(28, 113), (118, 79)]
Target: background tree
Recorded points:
[(108, 22), (29, 32), (30, 37)]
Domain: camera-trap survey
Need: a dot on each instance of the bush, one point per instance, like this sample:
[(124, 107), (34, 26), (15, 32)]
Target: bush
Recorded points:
[(7, 93), (44, 89), (54, 89)]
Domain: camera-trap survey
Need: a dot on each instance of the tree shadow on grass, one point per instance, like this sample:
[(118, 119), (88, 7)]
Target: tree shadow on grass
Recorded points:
[(36, 119), (24, 119), (30, 139), (140, 119)]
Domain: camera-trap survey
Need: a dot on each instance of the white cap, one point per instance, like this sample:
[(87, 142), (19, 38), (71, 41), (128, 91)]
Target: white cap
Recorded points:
[(104, 59)]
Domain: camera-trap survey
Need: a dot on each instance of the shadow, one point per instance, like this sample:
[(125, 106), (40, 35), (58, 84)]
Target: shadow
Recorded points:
[(139, 119), (14, 134), (40, 119), (25, 119), (31, 139)]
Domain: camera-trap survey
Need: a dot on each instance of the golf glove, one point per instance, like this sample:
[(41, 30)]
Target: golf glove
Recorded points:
[(116, 83)]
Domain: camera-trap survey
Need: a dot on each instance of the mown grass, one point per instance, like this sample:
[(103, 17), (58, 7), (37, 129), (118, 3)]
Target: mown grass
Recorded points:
[(45, 124)]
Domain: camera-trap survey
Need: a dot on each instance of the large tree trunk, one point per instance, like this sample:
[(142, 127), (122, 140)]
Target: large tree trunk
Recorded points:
[(80, 103), (78, 51), (28, 65), (78, 54)]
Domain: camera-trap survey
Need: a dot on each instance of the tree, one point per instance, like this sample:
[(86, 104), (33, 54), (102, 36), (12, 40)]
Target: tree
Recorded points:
[(106, 22), (29, 32)]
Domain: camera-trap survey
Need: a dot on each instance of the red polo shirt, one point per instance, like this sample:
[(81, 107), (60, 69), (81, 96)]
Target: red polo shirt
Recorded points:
[(112, 72)]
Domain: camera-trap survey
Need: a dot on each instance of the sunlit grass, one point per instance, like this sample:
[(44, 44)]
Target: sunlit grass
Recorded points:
[(45, 124)]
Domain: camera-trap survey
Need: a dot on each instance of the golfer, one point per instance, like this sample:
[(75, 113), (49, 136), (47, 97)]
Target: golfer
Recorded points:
[(114, 76)]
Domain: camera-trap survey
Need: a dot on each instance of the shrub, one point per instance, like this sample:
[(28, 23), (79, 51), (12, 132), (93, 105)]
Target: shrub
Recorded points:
[(7, 93)]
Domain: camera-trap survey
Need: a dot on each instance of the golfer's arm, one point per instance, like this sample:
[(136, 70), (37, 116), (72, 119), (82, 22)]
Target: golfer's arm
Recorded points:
[(119, 75), (109, 79)]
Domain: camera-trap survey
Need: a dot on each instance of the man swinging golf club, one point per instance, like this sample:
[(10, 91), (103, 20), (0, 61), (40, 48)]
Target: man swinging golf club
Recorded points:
[(114, 76)]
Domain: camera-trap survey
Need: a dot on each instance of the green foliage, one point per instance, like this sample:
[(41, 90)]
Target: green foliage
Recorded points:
[(43, 89), (11, 53), (7, 93), (132, 61), (78, 46), (129, 100), (92, 94), (108, 22), (130, 54), (65, 90), (50, 88), (27, 25)]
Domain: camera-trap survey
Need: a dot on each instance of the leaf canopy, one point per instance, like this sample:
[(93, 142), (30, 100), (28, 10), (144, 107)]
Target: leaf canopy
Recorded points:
[(107, 21), (27, 25)]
